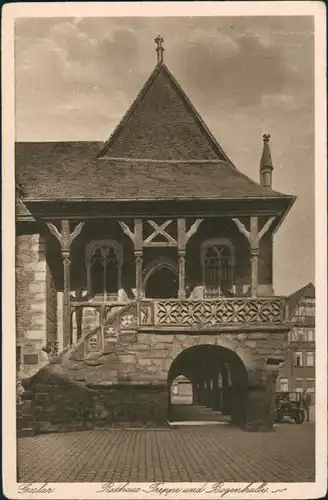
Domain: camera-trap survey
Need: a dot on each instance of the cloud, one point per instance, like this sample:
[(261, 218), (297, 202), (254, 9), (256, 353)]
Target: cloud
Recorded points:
[(222, 63), (241, 75)]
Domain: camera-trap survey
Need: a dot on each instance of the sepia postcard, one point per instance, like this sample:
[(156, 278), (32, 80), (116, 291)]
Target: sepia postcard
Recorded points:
[(164, 250)]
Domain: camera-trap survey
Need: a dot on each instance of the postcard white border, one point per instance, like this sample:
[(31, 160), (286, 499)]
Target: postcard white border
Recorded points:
[(155, 9)]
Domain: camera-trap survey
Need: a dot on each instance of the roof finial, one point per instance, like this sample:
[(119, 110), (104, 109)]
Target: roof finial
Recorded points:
[(266, 160), (159, 48), (266, 165)]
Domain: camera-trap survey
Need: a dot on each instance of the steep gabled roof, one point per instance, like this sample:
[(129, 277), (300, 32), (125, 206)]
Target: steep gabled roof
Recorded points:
[(69, 171), (162, 124), (308, 291)]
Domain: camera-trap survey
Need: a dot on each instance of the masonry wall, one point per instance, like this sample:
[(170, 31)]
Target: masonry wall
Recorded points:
[(147, 357), (35, 301), (126, 381)]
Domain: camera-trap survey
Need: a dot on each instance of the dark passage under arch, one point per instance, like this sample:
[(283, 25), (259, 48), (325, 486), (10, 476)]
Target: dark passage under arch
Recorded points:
[(218, 378)]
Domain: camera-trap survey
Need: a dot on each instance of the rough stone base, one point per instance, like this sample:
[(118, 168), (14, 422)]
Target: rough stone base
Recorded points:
[(57, 406), (260, 403)]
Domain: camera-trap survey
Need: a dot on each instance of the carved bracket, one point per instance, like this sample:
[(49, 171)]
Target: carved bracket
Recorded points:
[(127, 231), (136, 235), (193, 229), (254, 239), (65, 238)]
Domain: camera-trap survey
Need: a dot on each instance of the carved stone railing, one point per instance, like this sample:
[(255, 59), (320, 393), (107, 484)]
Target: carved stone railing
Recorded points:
[(213, 312), (101, 322), (167, 314)]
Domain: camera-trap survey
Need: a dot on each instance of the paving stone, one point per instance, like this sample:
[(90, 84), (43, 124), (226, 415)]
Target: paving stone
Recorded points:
[(202, 453)]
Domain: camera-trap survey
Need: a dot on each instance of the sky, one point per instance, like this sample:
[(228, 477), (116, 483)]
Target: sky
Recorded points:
[(76, 77)]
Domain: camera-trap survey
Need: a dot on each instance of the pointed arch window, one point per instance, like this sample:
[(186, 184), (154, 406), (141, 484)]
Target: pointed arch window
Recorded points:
[(217, 260), (160, 279), (104, 260)]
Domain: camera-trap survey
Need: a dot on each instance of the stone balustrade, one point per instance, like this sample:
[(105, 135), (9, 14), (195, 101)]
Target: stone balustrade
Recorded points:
[(213, 313)]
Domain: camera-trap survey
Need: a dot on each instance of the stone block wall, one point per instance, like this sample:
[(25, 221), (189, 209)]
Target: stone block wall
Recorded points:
[(266, 345), (57, 404), (126, 381), (147, 357), (143, 357), (51, 307), (36, 315)]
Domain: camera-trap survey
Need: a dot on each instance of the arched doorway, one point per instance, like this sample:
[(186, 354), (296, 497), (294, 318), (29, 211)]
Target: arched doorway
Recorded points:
[(219, 383), (181, 391), (161, 280)]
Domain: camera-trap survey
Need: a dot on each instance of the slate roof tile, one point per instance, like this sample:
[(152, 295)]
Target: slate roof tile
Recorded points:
[(162, 124), (58, 171)]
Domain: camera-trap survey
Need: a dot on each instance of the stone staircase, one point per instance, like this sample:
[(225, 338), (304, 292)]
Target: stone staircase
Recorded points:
[(89, 384)]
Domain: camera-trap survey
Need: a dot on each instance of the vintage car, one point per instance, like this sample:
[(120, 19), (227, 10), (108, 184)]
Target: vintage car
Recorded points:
[(289, 404)]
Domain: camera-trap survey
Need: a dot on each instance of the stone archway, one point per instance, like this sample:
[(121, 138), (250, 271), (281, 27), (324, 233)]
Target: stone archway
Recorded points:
[(218, 376)]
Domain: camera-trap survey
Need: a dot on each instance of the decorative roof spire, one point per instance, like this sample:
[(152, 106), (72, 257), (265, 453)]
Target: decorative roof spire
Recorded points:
[(266, 160), (159, 48), (266, 165)]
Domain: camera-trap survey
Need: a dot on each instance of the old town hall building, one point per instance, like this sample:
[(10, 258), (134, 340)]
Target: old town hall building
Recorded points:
[(142, 259)]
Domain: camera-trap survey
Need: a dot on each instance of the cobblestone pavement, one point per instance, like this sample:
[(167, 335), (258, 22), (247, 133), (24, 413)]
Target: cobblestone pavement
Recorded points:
[(202, 453)]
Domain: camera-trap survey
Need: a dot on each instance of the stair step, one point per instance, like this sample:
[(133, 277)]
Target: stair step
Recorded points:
[(27, 432)]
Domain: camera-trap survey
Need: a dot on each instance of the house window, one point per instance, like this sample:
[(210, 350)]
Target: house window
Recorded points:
[(298, 361), (299, 385), (310, 384), (31, 359), (310, 335), (309, 308), (310, 358), (217, 259), (284, 385), (300, 337), (104, 259)]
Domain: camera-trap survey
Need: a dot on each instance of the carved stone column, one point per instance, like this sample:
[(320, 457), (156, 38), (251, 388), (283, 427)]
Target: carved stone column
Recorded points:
[(66, 298), (65, 239), (183, 238), (216, 393), (182, 275), (138, 261), (202, 390), (226, 389), (194, 393), (255, 252), (208, 392), (66, 256)]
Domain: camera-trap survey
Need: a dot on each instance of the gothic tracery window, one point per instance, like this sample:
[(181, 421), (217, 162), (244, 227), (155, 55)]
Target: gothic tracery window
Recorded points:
[(217, 265), (104, 259)]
